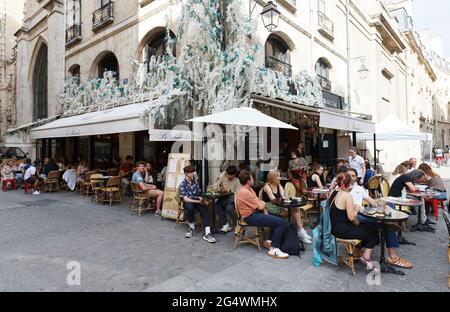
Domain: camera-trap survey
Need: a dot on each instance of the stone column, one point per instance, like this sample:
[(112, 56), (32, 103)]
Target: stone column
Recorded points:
[(56, 49)]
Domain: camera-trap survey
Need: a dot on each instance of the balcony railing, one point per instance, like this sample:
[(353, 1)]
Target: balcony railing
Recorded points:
[(73, 34), (325, 84), (326, 26), (279, 66), (103, 16)]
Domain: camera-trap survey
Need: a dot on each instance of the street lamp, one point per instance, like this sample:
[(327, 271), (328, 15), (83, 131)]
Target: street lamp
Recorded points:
[(363, 71), (270, 14)]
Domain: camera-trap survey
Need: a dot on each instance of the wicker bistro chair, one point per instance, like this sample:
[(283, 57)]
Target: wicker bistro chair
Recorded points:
[(373, 185), (113, 187), (96, 185), (385, 187), (350, 245), (181, 216), (140, 199), (85, 188), (51, 183), (292, 192), (241, 228)]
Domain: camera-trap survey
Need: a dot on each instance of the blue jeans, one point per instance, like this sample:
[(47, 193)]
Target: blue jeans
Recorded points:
[(442, 196), (190, 212), (276, 224), (223, 207), (389, 235)]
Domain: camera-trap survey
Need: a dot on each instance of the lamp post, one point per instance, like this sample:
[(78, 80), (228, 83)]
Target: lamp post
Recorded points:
[(269, 14), (363, 71)]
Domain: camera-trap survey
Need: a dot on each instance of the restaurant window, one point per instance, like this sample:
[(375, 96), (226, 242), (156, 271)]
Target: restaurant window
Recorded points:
[(278, 56), (157, 45), (40, 84), (108, 63)]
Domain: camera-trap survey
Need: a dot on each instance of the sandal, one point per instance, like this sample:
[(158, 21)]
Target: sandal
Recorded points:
[(369, 264), (399, 262)]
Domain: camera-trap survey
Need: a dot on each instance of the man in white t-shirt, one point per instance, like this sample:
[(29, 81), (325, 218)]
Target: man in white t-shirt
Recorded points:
[(31, 177), (357, 162)]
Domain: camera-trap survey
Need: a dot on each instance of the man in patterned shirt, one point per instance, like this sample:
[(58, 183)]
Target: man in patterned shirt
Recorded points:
[(189, 190)]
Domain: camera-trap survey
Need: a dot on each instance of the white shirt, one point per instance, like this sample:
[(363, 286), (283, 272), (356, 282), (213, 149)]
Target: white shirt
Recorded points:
[(356, 164), (359, 193), (30, 172)]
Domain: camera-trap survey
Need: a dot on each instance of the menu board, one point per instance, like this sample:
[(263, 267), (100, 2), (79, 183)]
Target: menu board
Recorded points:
[(174, 176)]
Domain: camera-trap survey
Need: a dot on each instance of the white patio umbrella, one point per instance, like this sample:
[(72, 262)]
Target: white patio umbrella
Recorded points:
[(245, 117)]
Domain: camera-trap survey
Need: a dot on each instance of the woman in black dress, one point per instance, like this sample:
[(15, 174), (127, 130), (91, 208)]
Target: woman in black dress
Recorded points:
[(344, 222)]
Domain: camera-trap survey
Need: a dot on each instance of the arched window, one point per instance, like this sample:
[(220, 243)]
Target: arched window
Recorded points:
[(323, 73), (157, 45), (108, 63), (74, 71), (40, 75), (278, 55)]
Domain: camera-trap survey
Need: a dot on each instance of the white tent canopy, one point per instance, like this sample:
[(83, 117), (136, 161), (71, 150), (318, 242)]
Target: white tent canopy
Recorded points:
[(243, 116), (392, 128)]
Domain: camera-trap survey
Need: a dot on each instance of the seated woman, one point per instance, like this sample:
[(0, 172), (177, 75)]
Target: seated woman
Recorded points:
[(343, 216), (8, 170), (273, 190), (434, 181), (316, 178), (399, 170), (81, 169)]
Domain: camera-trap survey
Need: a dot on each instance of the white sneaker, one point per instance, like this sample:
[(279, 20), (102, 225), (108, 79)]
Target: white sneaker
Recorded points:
[(277, 253), (226, 228), (305, 233), (36, 193), (189, 233), (304, 238), (209, 238)]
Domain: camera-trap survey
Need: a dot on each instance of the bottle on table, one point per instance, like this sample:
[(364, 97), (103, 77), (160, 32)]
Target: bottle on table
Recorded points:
[(404, 193)]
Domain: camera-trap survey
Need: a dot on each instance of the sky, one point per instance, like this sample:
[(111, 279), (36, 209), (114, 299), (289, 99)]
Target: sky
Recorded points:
[(435, 15)]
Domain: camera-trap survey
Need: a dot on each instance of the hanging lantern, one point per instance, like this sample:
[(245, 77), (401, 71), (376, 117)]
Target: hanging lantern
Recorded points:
[(363, 72), (270, 16)]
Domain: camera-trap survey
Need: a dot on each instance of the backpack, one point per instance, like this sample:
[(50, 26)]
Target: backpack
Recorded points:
[(290, 243)]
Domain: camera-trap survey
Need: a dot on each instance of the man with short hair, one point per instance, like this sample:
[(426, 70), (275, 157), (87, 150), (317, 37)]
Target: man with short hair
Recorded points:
[(358, 163), (149, 189), (227, 182), (253, 211), (32, 177), (188, 192)]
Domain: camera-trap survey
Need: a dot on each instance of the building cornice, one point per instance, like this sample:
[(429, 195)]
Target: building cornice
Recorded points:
[(391, 39), (420, 56)]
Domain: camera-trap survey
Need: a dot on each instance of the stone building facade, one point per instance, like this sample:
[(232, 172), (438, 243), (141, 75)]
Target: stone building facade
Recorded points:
[(367, 63), (11, 13)]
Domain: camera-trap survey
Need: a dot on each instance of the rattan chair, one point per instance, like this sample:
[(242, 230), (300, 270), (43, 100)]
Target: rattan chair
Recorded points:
[(373, 185), (241, 228), (113, 187), (350, 245), (51, 183), (140, 199), (96, 185), (86, 184)]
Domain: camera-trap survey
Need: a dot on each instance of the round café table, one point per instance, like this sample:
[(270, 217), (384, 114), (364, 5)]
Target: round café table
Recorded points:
[(383, 223), (408, 202)]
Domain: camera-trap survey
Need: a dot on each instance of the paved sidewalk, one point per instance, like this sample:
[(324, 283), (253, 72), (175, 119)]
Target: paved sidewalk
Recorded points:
[(117, 251)]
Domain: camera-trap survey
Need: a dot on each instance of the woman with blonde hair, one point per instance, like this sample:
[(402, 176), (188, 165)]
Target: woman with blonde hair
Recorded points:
[(434, 181), (399, 170), (272, 191)]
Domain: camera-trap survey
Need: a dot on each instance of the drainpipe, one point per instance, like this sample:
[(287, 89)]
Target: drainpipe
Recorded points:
[(347, 26)]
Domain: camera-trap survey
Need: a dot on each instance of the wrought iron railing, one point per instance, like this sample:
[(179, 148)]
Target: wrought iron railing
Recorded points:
[(103, 16), (279, 66), (325, 84), (73, 33), (325, 24)]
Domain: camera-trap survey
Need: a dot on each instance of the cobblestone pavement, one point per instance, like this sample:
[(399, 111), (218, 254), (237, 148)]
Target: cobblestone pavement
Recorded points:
[(117, 251)]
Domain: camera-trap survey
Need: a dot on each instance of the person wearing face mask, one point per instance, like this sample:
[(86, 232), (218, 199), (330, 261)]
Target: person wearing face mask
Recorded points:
[(392, 244)]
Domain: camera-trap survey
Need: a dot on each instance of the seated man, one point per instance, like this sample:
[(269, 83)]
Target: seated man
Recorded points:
[(188, 191), (31, 176), (253, 212), (227, 182), (149, 189), (392, 243)]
